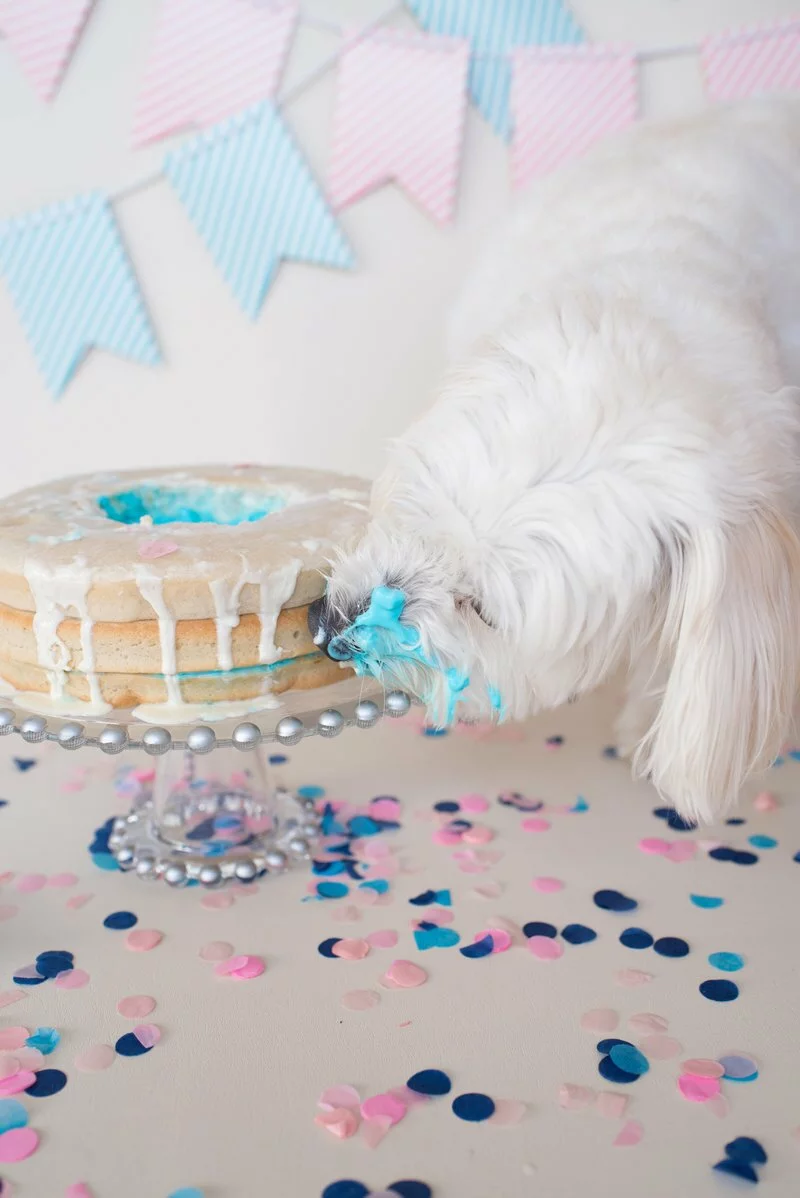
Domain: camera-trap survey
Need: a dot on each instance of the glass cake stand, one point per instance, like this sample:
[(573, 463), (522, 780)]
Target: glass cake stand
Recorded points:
[(212, 812)]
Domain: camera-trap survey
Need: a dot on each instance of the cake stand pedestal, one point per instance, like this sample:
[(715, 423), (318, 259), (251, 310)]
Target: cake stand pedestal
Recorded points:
[(214, 812)]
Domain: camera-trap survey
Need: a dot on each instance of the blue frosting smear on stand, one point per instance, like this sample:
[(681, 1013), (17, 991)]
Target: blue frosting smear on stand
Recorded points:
[(378, 637)]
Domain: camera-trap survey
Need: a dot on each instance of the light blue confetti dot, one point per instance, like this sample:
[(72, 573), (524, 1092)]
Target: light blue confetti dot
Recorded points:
[(706, 901), (332, 890), (186, 1192), (45, 1039), (379, 885), (12, 1115), (727, 962), (305, 792), (105, 861), (629, 1059), (762, 842)]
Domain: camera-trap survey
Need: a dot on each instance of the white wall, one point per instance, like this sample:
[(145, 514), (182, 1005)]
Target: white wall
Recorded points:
[(337, 362)]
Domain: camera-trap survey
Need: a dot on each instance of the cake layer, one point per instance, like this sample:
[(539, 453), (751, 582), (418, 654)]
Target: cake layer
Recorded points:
[(136, 648), (129, 690), (208, 542)]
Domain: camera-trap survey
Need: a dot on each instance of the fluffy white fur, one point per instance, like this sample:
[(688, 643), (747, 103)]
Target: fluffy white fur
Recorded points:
[(610, 474)]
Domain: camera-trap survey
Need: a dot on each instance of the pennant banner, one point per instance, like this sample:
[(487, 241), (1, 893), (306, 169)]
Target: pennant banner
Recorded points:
[(249, 192), (750, 62), (42, 34), (209, 60), (400, 109), (564, 99), (73, 287), (494, 28)]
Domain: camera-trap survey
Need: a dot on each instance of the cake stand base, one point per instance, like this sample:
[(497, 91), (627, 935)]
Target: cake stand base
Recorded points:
[(212, 819)]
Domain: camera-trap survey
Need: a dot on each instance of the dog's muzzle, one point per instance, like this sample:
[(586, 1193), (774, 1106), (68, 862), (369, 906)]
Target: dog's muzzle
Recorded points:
[(324, 625)]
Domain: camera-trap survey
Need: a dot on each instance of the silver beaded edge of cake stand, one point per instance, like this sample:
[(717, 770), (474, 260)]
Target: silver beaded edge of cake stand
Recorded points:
[(135, 850)]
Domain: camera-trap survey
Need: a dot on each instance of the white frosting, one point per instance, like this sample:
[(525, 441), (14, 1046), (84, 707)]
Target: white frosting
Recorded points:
[(59, 592), (274, 589), (59, 705), (151, 587), (190, 713)]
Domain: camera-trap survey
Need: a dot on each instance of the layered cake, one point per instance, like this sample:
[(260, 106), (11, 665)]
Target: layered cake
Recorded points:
[(170, 587)]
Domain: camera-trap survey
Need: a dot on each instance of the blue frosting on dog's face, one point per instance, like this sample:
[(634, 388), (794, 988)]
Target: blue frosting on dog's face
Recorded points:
[(377, 637)]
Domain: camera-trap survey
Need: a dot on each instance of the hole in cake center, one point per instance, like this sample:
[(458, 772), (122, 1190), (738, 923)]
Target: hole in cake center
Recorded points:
[(203, 503)]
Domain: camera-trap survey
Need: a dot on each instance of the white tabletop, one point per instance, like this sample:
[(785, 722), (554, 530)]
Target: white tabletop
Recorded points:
[(226, 1101)]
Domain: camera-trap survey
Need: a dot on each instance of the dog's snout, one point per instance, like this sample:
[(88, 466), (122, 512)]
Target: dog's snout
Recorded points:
[(323, 624)]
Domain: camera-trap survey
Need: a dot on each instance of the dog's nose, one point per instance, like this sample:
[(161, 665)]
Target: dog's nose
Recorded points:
[(323, 624)]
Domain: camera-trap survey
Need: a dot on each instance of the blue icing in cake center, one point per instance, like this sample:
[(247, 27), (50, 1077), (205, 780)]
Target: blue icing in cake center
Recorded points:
[(191, 504)]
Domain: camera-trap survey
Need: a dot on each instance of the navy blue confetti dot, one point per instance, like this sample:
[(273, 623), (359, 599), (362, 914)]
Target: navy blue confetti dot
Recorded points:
[(19, 980), (612, 1073), (345, 1189), (119, 921), (326, 948), (130, 1046), (578, 933), (610, 751), (277, 759), (719, 990), (636, 938), (48, 1081), (53, 962), (673, 820), (448, 805), (606, 1045), (411, 1189), (736, 821), (481, 948), (671, 946), (423, 900), (743, 857), (739, 1169), (613, 900), (796, 857), (536, 928), (722, 853), (745, 1148), (430, 1081), (24, 764), (473, 1108), (554, 740)]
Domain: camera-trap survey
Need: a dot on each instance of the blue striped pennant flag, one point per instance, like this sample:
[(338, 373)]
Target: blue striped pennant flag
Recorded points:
[(495, 27), (252, 197), (73, 287)]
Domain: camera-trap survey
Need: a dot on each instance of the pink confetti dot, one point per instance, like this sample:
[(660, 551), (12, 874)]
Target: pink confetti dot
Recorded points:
[(339, 1096), (95, 1059), (545, 948), (574, 1098), (216, 950), (500, 937), (243, 966), (346, 914), (360, 1000), (611, 1106), (147, 1034), (698, 1089), (447, 836), (350, 950), (17, 1082), (8, 911), (388, 1106), (18, 1144), (136, 1006), (374, 1130), (9, 1065), (386, 938), (661, 1048), (150, 550), (507, 1112), (630, 1135), (13, 1037), (702, 1067), (681, 850), (489, 890), (29, 1058), (547, 885), (646, 1023), (600, 1019), (479, 834), (62, 880), (765, 801), (78, 900), (141, 940), (217, 900), (406, 974), (535, 825), (72, 979), (633, 977), (385, 809), (78, 1189), (654, 845), (366, 898), (340, 1122), (29, 883), (474, 803)]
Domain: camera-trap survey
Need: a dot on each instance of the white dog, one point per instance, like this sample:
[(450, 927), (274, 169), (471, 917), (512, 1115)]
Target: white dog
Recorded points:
[(610, 476)]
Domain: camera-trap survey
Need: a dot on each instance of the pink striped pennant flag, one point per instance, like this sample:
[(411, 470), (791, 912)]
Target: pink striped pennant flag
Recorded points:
[(566, 98), (42, 34), (210, 59), (400, 110), (748, 62)]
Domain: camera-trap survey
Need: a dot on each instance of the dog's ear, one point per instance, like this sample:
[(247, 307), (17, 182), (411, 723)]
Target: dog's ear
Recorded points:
[(732, 633)]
